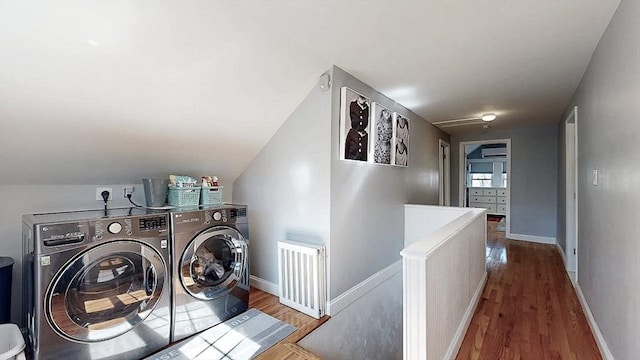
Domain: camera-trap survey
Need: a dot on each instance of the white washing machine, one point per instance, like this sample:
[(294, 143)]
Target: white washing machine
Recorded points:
[(210, 267), (97, 284)]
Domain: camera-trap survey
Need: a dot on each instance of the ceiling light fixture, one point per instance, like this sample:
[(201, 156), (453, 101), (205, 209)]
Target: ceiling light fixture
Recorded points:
[(465, 121), (488, 117)]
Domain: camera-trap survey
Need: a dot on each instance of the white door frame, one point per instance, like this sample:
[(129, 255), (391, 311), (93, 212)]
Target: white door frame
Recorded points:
[(462, 173), (444, 166), (571, 194)]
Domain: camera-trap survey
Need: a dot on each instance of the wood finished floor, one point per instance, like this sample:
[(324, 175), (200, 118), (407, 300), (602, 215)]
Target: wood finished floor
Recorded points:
[(529, 308), (287, 348)]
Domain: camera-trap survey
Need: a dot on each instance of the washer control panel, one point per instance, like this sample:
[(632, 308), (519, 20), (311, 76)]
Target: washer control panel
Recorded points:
[(62, 234), (114, 228), (153, 223), (130, 226)]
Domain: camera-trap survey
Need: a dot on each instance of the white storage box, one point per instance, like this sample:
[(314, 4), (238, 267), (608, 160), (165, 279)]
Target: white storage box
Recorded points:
[(11, 343)]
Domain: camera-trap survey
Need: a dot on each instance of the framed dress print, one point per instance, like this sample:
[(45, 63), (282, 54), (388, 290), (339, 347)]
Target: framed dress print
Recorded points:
[(400, 140), (354, 125), (381, 136)]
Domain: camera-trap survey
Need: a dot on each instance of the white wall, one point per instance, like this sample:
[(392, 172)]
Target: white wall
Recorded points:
[(534, 176), (608, 100), (114, 91), (367, 201), (286, 187)]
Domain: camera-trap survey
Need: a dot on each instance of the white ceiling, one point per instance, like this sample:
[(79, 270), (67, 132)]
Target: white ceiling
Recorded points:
[(110, 92)]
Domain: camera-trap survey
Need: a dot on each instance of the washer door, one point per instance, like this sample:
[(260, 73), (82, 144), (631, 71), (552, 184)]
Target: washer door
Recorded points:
[(213, 262), (105, 291)]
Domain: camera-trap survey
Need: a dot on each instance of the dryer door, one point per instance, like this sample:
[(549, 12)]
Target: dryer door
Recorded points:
[(213, 262), (105, 291)]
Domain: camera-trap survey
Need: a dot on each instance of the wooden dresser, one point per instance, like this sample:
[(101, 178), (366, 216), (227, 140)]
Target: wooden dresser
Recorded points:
[(492, 199)]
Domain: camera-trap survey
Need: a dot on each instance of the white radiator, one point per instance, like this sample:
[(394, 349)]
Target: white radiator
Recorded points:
[(302, 275)]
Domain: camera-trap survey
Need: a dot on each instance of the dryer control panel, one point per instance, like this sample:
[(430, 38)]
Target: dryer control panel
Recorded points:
[(238, 213), (224, 215)]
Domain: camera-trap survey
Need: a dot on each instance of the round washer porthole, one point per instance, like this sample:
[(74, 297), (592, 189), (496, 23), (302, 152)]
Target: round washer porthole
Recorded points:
[(105, 291), (213, 263)]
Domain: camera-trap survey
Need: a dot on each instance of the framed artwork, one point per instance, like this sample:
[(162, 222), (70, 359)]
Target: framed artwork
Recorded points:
[(400, 140), (380, 147), (354, 125)]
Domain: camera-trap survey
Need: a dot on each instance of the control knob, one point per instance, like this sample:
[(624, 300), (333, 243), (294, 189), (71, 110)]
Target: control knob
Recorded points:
[(114, 227), (217, 216)]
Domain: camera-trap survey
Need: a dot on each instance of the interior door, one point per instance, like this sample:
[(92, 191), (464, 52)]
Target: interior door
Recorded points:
[(445, 173), (105, 291), (213, 263)]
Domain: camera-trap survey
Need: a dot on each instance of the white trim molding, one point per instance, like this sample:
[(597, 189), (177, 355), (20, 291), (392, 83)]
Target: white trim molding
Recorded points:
[(264, 285), (600, 341), (447, 264), (462, 172), (532, 238), (348, 297), (444, 173), (466, 320)]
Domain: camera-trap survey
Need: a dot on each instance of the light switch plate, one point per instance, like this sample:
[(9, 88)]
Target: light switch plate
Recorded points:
[(595, 177)]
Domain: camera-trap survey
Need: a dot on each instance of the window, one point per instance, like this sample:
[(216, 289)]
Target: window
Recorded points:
[(504, 180), (481, 179)]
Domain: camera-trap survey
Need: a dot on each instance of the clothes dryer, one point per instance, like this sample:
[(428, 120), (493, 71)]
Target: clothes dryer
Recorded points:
[(97, 284), (210, 267)]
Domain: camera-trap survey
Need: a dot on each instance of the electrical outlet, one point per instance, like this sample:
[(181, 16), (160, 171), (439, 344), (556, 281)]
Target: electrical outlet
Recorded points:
[(595, 177), (99, 191), (128, 190)]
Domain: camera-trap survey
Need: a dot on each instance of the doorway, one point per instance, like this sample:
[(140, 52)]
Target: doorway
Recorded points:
[(444, 165), (485, 177), (571, 194)]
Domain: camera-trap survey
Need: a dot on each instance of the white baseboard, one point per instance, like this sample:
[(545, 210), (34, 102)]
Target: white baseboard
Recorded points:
[(602, 344), (264, 285), (348, 297), (466, 320), (531, 238)]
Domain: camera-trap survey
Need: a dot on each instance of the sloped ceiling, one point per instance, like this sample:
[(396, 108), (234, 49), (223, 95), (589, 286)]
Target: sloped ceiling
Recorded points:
[(110, 92)]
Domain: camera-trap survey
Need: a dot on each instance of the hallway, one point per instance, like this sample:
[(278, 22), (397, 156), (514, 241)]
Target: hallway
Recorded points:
[(529, 308)]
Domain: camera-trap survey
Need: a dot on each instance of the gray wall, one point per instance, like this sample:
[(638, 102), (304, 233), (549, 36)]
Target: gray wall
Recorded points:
[(370, 328), (367, 216), (534, 181), (286, 187), (608, 100), (297, 188)]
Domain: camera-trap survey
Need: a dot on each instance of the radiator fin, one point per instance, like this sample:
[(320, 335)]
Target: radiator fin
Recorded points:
[(302, 276)]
